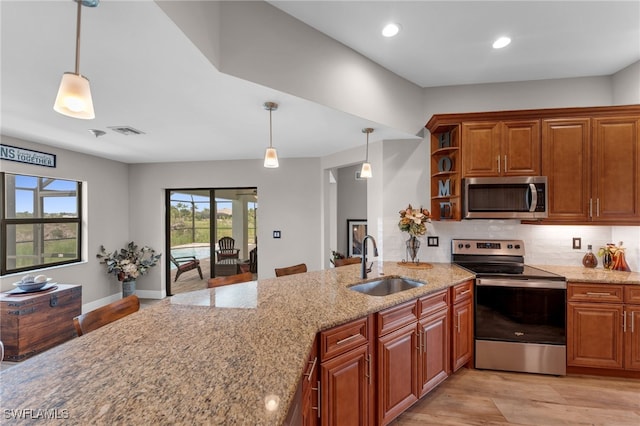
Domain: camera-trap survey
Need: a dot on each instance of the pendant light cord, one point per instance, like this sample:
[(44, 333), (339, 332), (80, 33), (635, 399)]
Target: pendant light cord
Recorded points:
[(78, 36), (367, 156), (270, 129)]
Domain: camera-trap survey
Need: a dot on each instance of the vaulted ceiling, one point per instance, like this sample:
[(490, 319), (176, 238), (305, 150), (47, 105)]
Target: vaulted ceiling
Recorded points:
[(151, 67)]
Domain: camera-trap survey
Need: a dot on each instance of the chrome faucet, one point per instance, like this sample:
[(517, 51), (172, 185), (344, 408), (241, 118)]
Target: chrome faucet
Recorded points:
[(363, 275)]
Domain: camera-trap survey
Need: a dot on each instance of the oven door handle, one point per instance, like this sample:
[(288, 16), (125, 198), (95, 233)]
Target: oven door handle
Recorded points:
[(493, 282)]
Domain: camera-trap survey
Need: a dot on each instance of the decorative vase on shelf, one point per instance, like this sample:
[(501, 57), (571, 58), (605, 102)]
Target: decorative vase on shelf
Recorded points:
[(413, 245), (128, 287)]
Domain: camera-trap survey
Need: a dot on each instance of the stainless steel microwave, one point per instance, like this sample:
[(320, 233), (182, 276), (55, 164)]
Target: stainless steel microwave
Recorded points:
[(517, 197)]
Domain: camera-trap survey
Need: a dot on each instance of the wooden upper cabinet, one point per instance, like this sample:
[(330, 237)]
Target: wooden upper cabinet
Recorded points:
[(501, 148), (616, 179), (566, 161), (480, 149)]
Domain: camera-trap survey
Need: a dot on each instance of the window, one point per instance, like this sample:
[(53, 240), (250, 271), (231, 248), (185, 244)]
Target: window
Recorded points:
[(41, 222)]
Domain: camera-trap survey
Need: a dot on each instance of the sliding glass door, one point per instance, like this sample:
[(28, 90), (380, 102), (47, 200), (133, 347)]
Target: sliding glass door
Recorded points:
[(210, 232)]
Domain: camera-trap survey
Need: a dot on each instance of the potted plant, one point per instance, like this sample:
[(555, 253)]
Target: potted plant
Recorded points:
[(128, 264)]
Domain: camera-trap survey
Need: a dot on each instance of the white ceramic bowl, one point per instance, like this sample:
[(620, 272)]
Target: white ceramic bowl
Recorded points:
[(31, 286)]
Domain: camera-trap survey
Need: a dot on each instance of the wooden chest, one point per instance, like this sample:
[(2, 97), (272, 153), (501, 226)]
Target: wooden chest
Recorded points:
[(31, 323)]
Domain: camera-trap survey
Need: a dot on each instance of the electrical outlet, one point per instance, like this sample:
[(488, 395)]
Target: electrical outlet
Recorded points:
[(577, 243)]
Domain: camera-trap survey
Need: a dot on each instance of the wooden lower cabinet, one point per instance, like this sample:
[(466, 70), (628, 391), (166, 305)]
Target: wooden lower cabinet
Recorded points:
[(346, 375), (397, 372), (310, 386), (434, 350), (603, 326), (462, 325)]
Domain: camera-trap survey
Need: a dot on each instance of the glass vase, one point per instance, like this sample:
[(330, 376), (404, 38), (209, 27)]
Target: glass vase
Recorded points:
[(413, 245)]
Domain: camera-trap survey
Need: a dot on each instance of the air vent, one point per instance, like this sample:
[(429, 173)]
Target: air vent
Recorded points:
[(126, 130)]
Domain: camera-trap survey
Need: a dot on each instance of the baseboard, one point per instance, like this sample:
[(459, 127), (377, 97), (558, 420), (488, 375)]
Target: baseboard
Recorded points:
[(151, 294), (142, 294)]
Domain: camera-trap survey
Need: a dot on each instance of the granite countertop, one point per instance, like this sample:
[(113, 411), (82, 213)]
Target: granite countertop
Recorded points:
[(592, 275), (212, 356)]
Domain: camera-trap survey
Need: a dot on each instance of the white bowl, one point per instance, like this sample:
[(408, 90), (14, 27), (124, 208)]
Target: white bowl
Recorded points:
[(31, 286)]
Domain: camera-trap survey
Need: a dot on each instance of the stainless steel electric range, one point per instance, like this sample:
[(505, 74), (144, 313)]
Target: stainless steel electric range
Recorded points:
[(520, 311)]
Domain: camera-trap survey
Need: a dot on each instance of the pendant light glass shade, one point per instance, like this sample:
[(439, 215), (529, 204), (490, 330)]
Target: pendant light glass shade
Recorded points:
[(271, 158), (365, 172), (74, 97), (74, 94), (271, 155)]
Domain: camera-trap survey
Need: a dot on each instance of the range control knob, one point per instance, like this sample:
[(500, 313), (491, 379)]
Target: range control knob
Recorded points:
[(467, 245), (460, 245), (517, 246), (509, 246)]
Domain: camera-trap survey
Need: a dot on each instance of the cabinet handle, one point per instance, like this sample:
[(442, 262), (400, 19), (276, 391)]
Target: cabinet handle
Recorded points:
[(598, 207), (313, 366), (632, 328), (505, 164), (590, 207), (624, 322), (593, 293), (369, 367), (498, 160), (346, 339), (317, 398), (464, 292), (458, 324), (419, 346)]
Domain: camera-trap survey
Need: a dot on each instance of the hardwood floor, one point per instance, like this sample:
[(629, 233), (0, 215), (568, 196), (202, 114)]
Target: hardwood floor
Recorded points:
[(481, 397)]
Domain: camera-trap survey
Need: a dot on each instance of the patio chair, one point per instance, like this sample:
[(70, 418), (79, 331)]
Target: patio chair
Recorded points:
[(226, 249), (185, 264)]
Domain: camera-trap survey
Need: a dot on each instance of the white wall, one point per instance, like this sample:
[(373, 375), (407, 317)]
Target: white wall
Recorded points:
[(106, 222), (626, 85), (289, 200)]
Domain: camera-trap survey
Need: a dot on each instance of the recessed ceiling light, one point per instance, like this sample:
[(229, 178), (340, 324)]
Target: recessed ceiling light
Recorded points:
[(501, 42), (391, 30)]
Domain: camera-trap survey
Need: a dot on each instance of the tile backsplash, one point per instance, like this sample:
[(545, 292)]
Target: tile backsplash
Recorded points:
[(544, 244)]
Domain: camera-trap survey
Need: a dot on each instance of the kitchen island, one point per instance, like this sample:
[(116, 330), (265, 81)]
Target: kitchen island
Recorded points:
[(228, 355)]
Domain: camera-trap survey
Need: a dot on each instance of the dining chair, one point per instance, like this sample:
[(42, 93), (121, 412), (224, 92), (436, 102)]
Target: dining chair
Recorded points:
[(106, 314), (185, 264), (290, 270), (230, 279), (347, 261)]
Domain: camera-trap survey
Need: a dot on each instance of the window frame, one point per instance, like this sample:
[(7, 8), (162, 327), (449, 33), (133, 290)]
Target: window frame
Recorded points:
[(6, 222)]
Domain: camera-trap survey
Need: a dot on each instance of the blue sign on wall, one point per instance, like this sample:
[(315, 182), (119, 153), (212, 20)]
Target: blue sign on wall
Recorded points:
[(21, 155)]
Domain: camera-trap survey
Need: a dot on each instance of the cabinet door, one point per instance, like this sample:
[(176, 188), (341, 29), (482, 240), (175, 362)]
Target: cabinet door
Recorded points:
[(347, 388), (462, 338), (480, 147), (520, 149), (397, 359), (566, 161), (310, 410), (616, 181), (434, 345), (632, 338), (594, 335)]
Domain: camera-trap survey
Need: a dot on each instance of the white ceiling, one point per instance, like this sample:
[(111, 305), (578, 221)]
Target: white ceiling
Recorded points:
[(145, 72)]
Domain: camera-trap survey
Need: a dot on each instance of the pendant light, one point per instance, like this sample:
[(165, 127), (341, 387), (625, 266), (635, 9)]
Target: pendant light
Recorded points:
[(271, 155), (365, 172), (74, 95)]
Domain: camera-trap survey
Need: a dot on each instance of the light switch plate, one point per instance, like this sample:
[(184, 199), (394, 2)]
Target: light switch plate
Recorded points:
[(276, 234), (433, 241), (577, 243)]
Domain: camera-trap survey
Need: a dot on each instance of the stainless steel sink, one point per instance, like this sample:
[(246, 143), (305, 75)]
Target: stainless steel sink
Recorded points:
[(386, 286)]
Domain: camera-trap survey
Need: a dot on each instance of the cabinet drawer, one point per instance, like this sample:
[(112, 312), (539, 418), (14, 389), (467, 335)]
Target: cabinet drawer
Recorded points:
[(632, 294), (461, 292), (343, 338), (578, 292), (433, 303), (394, 318)]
